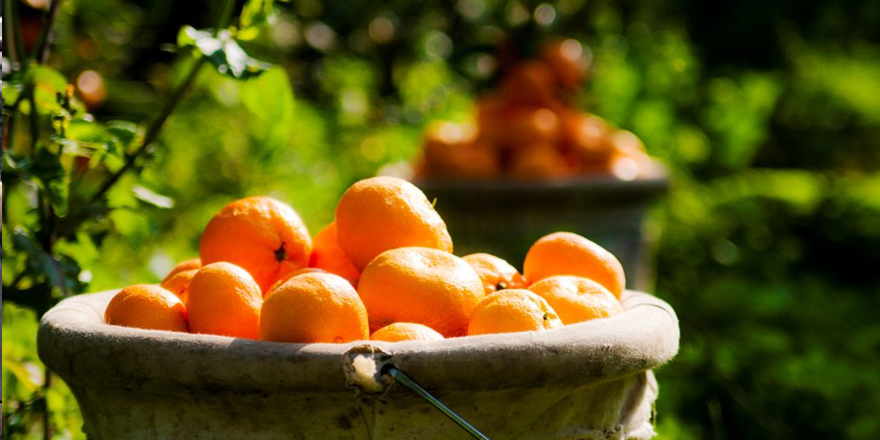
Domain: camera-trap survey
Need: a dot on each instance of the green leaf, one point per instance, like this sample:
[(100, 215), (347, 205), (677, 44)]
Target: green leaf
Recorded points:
[(48, 85), (60, 271), (84, 138), (14, 163), (124, 132), (150, 197), (254, 16), (270, 97), (11, 92), (223, 52), (45, 76), (21, 374), (52, 179)]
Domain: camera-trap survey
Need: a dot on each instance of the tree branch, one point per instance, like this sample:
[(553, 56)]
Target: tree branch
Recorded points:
[(157, 124), (41, 53), (154, 128), (12, 32)]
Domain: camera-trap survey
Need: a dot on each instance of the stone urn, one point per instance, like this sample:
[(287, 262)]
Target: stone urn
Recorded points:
[(591, 380), (504, 217)]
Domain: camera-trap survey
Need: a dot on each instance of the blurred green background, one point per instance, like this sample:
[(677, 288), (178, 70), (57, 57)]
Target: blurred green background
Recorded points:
[(767, 114)]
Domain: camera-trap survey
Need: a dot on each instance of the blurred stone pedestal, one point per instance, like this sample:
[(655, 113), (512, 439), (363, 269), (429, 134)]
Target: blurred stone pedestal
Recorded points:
[(504, 217)]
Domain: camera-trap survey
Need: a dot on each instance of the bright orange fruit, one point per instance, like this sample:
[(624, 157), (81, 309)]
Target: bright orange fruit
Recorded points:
[(382, 213), (587, 135), (529, 83), (148, 307), (179, 283), (224, 300), (525, 126), (259, 234), (420, 285), (568, 60), (184, 266), (512, 310), (577, 299), (495, 273), (314, 307), (538, 161), (472, 159), (328, 256), (405, 331), (290, 275), (566, 253)]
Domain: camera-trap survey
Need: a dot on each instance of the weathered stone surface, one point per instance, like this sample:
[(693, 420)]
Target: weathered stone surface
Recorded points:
[(585, 381)]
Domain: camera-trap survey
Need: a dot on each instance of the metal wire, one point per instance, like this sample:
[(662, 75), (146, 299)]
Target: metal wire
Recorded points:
[(406, 381)]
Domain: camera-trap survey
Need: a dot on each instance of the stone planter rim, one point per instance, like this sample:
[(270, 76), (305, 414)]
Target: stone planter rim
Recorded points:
[(74, 342), (651, 185)]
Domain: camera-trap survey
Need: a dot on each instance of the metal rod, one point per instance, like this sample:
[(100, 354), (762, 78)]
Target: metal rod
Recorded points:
[(406, 381)]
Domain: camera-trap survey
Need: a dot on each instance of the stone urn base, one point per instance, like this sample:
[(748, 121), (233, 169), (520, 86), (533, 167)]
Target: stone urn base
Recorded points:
[(585, 381), (504, 217)]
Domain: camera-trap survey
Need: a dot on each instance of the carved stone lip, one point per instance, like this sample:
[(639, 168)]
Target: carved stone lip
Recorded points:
[(598, 186), (74, 342)]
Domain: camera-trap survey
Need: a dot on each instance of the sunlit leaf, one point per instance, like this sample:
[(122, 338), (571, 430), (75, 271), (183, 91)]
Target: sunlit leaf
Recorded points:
[(255, 15), (13, 163), (48, 85), (11, 92), (85, 137), (148, 196), (21, 374), (123, 131), (223, 52), (52, 179)]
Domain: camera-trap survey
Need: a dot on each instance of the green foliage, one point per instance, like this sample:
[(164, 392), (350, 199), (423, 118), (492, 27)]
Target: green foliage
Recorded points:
[(222, 51), (768, 241), (23, 379), (71, 182)]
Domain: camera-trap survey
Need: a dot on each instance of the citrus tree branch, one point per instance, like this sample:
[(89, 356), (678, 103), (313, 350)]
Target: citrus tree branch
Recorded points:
[(157, 124), (154, 128), (12, 32), (41, 53)]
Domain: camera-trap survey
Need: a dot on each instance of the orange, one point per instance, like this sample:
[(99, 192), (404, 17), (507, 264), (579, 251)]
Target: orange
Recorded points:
[(314, 307), (525, 126), (529, 83), (420, 285), (224, 300), (290, 275), (259, 234), (566, 253), (405, 331), (568, 60), (587, 135), (577, 299), (183, 266), (451, 150), (445, 133), (495, 273), (625, 142), (629, 160), (146, 306), (327, 255), (490, 117), (538, 161), (625, 167), (512, 310), (382, 213), (466, 161), (511, 127), (179, 283)]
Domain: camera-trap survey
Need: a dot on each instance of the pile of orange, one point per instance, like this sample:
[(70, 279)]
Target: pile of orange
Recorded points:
[(528, 128), (382, 270)]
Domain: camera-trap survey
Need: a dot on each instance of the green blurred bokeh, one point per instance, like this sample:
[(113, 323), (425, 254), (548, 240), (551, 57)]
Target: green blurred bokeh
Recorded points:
[(767, 114)]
